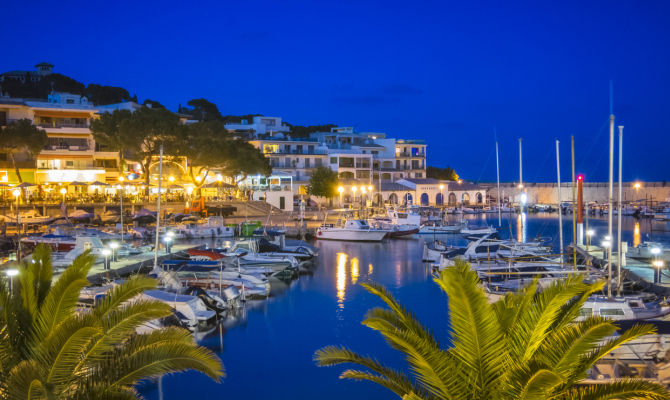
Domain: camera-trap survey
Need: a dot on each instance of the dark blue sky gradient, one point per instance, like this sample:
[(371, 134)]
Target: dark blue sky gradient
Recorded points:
[(444, 71)]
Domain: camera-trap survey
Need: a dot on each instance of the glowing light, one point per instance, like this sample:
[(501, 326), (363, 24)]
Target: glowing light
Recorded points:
[(219, 177), (12, 272), (16, 192), (106, 252), (520, 186), (637, 185), (171, 179), (655, 251), (460, 181), (5, 178), (580, 177), (608, 238), (590, 232), (658, 263), (370, 269), (341, 277), (167, 239), (606, 244), (198, 178), (637, 239), (354, 270), (121, 179), (189, 190), (524, 198), (340, 189), (363, 189), (354, 189), (441, 187), (113, 245)]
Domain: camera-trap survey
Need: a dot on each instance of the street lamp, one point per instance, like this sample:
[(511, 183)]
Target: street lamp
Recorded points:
[(11, 273), (353, 190), (171, 179), (62, 192), (106, 253), (17, 194), (168, 241), (114, 246), (658, 265), (589, 233), (120, 189), (441, 195), (340, 189)]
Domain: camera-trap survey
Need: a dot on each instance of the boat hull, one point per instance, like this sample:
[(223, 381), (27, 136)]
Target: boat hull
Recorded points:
[(351, 235)]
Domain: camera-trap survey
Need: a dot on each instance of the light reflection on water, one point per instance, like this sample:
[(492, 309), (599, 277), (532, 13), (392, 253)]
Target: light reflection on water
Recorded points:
[(341, 278)]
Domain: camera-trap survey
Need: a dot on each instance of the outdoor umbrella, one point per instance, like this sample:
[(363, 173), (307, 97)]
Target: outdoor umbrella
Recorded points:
[(98, 183), (174, 186), (76, 183), (24, 185)]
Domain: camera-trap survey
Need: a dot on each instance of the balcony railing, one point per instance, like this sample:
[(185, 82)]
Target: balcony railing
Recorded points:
[(408, 154), (62, 125), (68, 147)]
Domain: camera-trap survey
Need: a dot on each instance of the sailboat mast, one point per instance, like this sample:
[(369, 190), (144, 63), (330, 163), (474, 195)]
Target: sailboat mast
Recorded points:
[(158, 205), (610, 210), (498, 178), (560, 213), (574, 209), (618, 219)]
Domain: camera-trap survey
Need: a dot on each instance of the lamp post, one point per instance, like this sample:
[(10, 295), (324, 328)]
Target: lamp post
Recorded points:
[(120, 188), (658, 265), (589, 233), (17, 194), (442, 195), (168, 241), (63, 191), (340, 190), (106, 253), (11, 273), (353, 190), (114, 246)]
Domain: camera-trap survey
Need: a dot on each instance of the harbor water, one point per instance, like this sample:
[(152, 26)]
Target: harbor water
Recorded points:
[(267, 349)]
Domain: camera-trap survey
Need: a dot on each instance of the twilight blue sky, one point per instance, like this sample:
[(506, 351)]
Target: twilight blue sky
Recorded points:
[(446, 71)]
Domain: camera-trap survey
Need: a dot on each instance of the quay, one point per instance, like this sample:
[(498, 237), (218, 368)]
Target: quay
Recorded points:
[(639, 272)]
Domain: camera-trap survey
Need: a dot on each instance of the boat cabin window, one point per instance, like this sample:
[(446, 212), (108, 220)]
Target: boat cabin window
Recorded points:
[(611, 311), (402, 216), (363, 223), (635, 304), (585, 312)]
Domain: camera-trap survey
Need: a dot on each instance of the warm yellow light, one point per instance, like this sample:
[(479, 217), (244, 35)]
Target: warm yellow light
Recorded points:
[(16, 192), (219, 177), (441, 187), (460, 181), (637, 185), (370, 188), (520, 186), (119, 187), (121, 179), (63, 191), (354, 189), (189, 190), (340, 189), (5, 178), (363, 189), (171, 179), (198, 179)]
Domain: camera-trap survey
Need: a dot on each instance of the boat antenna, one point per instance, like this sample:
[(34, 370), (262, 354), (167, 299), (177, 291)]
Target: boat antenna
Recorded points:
[(158, 205), (560, 210), (495, 135)]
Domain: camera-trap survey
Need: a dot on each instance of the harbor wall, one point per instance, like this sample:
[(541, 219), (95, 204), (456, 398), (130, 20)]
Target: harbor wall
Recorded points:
[(547, 193)]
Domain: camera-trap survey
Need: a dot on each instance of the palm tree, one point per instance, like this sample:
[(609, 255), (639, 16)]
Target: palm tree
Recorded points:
[(527, 345), (48, 350)]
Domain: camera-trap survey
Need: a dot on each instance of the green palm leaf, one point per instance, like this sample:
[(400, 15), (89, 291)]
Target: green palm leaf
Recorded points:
[(622, 389)]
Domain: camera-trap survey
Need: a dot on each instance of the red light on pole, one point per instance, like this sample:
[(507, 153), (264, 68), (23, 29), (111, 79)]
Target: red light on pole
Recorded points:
[(580, 177)]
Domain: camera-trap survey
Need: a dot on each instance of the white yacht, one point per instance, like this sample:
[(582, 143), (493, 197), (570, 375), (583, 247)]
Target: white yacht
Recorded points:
[(356, 230), (623, 308)]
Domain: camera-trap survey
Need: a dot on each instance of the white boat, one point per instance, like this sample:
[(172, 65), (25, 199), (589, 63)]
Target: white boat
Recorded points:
[(623, 308), (30, 217), (191, 310), (356, 230), (213, 227), (649, 250), (441, 229), (479, 231)]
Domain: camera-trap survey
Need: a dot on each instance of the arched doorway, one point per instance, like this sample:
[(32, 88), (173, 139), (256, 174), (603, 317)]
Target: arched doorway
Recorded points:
[(465, 199), (479, 198), (439, 200), (408, 199), (424, 199), (452, 199), (393, 198), (378, 199)]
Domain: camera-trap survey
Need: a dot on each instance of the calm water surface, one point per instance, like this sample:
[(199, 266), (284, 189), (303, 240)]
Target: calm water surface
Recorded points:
[(268, 350)]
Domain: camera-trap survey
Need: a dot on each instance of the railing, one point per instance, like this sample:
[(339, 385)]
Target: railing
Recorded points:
[(62, 125), (407, 154), (304, 152), (68, 147)]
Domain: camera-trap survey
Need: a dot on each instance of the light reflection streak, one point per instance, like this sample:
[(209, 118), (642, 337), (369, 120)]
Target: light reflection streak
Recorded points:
[(521, 228), (354, 270), (341, 278), (636, 234), (370, 269)]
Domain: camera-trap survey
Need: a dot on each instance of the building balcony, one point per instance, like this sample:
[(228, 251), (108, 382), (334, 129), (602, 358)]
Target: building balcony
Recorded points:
[(407, 154), (62, 125)]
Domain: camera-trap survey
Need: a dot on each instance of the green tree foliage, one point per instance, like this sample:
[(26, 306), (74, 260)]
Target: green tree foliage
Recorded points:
[(236, 119), (102, 95), (202, 110), (447, 174), (152, 104), (527, 345), (22, 136), (49, 350), (323, 182), (110, 132), (298, 131)]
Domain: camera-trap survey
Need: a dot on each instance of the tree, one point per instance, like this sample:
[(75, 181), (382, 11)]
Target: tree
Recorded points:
[(108, 131), (525, 346), (205, 145), (152, 104), (298, 131), (22, 136), (244, 159), (49, 350), (447, 174), (323, 182), (99, 94), (203, 110)]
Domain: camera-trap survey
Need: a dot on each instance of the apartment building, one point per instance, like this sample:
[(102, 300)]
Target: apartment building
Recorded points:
[(258, 126), (297, 158), (410, 159), (70, 153)]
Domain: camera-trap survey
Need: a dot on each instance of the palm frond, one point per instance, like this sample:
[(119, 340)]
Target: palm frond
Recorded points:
[(25, 382), (43, 271), (539, 385), (122, 293), (475, 330), (394, 380), (61, 300)]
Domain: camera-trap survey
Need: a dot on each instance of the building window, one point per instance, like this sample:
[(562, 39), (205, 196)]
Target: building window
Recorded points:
[(3, 118), (418, 175), (69, 163), (360, 174), (307, 163), (333, 160)]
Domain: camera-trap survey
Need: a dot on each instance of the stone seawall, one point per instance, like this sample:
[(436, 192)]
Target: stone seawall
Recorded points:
[(547, 193)]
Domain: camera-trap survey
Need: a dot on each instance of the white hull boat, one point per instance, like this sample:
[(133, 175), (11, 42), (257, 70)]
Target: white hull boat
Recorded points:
[(353, 231)]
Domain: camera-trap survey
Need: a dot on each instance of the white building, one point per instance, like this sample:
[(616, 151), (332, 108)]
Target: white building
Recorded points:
[(259, 126)]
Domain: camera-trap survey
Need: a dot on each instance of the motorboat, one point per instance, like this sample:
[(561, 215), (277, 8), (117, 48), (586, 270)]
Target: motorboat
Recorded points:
[(623, 308), (110, 217), (30, 217), (57, 243), (479, 231), (277, 238), (191, 310), (442, 229), (178, 276), (648, 250), (356, 230), (213, 227), (81, 216)]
